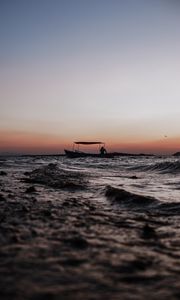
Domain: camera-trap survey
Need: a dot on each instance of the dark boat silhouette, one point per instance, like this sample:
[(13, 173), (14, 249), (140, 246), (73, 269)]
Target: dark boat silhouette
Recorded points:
[(77, 153)]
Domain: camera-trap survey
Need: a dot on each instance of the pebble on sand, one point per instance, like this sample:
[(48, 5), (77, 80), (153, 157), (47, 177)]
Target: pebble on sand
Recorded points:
[(2, 173), (30, 190), (148, 232)]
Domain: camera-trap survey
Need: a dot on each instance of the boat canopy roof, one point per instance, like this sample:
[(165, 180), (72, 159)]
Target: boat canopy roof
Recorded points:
[(88, 143)]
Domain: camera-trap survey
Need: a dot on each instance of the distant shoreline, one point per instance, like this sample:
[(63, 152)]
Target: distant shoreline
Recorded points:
[(116, 154), (62, 154)]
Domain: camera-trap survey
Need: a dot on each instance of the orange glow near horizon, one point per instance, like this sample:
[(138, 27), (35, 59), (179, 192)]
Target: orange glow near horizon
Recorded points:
[(38, 143), (35, 143), (152, 147)]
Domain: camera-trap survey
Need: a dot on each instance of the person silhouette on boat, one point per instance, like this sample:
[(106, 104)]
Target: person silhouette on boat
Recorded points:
[(103, 150)]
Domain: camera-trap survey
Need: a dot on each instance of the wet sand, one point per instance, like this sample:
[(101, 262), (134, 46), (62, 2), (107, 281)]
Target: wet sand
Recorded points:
[(65, 245)]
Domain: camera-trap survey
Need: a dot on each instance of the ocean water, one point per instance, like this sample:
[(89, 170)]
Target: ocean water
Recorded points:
[(90, 228)]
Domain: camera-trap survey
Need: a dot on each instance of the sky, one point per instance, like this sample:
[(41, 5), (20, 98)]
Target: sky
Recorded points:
[(105, 70)]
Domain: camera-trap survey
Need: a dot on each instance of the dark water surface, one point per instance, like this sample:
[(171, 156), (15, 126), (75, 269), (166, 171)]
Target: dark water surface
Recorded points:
[(89, 228)]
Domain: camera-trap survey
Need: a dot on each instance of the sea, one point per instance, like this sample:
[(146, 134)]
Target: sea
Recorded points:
[(90, 228)]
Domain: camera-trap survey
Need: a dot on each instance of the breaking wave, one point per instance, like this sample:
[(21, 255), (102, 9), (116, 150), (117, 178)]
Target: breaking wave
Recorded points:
[(163, 167), (53, 176), (140, 202), (125, 198), (167, 167)]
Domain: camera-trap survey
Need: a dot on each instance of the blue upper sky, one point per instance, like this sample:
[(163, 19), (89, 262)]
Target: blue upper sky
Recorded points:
[(28, 28)]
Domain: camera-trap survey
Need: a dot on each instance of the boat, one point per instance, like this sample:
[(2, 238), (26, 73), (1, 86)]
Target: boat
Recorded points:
[(77, 153)]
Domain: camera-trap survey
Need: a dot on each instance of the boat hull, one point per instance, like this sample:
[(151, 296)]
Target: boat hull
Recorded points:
[(75, 154)]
